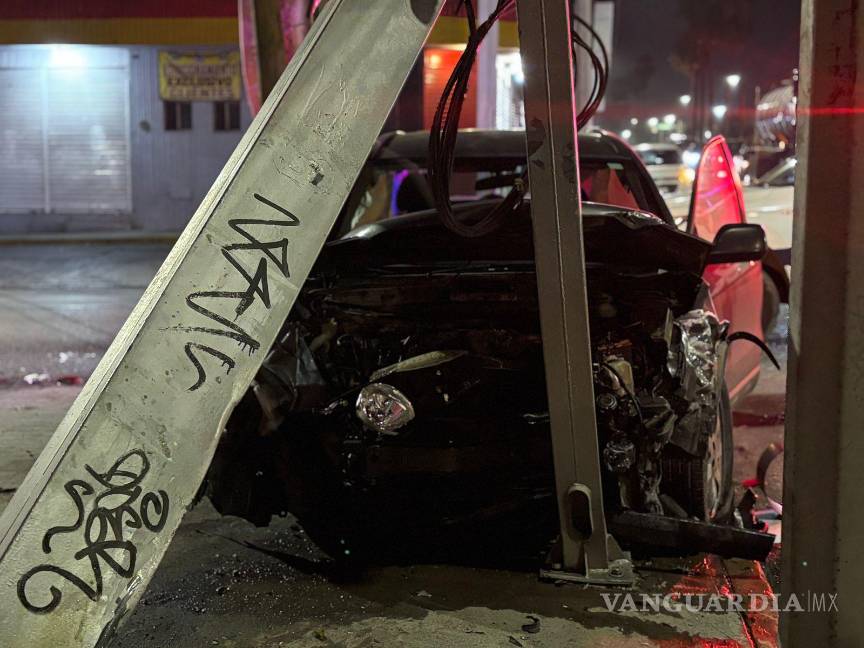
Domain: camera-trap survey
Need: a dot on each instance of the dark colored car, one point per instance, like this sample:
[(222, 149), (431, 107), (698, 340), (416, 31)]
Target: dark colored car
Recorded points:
[(406, 395)]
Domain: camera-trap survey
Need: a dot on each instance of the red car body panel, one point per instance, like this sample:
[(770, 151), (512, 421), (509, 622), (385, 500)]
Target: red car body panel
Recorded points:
[(736, 288)]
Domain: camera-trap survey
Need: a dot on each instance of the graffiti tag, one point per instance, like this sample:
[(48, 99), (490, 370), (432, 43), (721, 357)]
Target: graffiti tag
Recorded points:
[(107, 505)]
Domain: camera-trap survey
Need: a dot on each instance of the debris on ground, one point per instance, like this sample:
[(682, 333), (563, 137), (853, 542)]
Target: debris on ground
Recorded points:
[(37, 379), (533, 627)]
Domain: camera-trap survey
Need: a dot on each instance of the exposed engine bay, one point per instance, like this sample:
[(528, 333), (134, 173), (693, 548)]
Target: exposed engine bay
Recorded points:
[(411, 380)]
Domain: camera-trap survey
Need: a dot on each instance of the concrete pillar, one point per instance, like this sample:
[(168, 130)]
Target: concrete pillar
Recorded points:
[(824, 526)]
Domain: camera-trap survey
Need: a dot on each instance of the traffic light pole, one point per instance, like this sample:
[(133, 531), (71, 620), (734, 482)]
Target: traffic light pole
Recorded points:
[(587, 553)]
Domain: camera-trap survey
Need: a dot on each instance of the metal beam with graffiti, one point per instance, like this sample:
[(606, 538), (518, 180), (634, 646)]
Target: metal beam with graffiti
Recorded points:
[(87, 529)]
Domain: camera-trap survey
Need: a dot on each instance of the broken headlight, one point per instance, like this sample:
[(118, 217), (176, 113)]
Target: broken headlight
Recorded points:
[(383, 408)]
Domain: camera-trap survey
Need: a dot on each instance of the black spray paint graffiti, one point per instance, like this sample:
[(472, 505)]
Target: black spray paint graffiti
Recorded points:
[(115, 506), (256, 287)]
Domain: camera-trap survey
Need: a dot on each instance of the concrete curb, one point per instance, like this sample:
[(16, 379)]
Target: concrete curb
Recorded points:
[(88, 238)]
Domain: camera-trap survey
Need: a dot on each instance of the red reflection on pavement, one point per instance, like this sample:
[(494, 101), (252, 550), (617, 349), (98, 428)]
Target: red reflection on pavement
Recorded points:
[(711, 576)]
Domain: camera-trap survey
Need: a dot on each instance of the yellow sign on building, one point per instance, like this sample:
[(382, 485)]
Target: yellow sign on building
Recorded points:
[(199, 77)]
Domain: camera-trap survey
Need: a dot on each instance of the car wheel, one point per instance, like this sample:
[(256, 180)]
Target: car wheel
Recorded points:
[(703, 486), (770, 304)]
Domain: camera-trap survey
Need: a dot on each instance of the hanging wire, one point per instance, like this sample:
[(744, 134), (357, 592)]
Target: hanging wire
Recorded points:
[(445, 127), (600, 65), (445, 123)]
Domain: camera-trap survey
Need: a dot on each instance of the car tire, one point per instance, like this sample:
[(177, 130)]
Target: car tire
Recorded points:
[(770, 304), (703, 486)]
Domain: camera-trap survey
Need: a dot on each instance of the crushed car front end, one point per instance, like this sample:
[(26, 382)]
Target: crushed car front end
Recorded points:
[(408, 384)]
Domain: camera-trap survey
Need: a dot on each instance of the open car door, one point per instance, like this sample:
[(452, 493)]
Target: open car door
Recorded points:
[(736, 288)]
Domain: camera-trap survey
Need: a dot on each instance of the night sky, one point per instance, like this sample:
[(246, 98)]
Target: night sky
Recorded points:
[(655, 39)]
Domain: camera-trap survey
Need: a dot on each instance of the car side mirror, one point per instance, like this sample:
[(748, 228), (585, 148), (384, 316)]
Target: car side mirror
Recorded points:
[(738, 242)]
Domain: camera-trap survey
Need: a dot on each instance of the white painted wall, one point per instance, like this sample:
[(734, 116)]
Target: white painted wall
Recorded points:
[(170, 171)]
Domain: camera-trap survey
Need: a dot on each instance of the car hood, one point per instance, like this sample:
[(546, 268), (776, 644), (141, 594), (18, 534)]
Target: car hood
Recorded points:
[(625, 239)]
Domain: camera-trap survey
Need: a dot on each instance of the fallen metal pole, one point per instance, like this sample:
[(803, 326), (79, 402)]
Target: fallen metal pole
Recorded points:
[(553, 163), (87, 529)]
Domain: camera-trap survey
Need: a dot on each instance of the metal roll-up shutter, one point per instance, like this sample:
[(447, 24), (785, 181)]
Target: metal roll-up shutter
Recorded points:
[(88, 155), (22, 181), (64, 130)]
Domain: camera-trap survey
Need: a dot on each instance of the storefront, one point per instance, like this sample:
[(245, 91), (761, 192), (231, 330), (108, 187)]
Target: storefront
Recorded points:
[(116, 117)]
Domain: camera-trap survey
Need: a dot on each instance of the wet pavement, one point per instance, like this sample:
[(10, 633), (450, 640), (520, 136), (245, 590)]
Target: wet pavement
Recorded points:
[(61, 305), (226, 583)]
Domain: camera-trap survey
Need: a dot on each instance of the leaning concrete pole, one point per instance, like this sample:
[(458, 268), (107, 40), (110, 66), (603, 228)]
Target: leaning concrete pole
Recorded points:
[(824, 529), (86, 530)]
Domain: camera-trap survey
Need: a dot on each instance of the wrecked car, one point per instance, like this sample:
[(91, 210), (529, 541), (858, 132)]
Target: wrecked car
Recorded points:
[(406, 394)]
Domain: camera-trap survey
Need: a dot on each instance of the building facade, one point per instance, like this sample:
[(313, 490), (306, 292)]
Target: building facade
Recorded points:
[(119, 116)]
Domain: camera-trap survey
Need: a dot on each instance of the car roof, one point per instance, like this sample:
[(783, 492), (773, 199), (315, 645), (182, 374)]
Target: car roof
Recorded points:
[(474, 143)]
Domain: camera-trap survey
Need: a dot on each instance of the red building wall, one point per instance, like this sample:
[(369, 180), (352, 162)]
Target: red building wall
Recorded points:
[(100, 9), (438, 64), (122, 22)]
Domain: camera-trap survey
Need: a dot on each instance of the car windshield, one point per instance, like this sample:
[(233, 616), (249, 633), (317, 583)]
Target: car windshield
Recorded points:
[(652, 157), (393, 189)]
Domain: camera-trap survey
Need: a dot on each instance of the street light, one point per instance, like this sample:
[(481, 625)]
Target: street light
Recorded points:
[(626, 133), (685, 100), (719, 111), (669, 119), (732, 80), (633, 121), (652, 122)]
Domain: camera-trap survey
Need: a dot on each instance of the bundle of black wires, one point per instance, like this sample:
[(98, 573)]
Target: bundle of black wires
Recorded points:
[(600, 64), (445, 124), (445, 127)]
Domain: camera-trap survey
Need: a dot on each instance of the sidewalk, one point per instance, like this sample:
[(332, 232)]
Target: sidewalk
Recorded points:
[(62, 304), (226, 583)]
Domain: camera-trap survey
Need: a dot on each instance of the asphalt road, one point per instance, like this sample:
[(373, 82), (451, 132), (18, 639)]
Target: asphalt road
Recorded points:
[(61, 305)]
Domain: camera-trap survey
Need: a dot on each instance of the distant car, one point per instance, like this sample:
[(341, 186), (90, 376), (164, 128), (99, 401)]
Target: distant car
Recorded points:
[(664, 163), (768, 201)]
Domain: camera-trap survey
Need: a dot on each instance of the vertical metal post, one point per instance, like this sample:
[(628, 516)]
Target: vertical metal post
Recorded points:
[(550, 117), (823, 525)]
